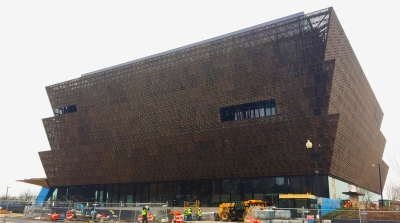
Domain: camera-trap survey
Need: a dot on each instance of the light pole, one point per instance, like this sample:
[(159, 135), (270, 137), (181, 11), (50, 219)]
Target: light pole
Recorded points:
[(119, 216), (94, 215), (316, 155), (380, 181), (7, 200)]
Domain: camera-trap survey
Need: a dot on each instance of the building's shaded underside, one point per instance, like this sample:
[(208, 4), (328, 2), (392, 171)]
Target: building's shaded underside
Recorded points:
[(159, 119)]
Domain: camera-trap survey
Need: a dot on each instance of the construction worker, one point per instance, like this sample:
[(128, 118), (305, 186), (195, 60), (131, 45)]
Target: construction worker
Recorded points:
[(189, 213), (111, 218), (198, 215), (185, 215), (144, 214)]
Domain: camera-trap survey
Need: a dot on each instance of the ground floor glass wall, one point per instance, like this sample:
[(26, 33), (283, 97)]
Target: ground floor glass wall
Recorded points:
[(210, 193)]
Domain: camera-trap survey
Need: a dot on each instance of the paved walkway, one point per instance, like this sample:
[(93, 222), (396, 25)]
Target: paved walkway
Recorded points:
[(13, 215)]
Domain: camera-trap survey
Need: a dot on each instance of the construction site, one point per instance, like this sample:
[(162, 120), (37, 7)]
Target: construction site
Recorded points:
[(294, 208), (75, 210), (248, 211)]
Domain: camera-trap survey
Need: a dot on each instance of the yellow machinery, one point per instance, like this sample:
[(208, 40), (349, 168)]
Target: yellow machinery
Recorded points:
[(296, 202), (238, 209)]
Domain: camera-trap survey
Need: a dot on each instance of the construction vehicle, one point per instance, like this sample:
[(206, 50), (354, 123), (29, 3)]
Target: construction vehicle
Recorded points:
[(79, 213), (238, 209)]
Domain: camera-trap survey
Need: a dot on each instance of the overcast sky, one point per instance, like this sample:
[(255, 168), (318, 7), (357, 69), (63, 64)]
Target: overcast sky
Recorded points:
[(47, 42)]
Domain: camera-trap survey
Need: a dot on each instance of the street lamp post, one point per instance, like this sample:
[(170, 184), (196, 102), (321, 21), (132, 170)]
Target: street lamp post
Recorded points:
[(94, 210), (119, 215), (380, 182), (316, 155), (7, 200)]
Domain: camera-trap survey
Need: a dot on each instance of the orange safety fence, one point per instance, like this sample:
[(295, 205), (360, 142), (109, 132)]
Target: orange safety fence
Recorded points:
[(140, 218), (178, 217)]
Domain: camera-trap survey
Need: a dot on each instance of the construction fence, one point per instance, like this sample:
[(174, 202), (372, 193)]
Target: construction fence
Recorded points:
[(127, 212), (163, 214)]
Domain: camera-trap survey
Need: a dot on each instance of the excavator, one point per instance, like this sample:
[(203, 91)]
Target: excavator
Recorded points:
[(238, 209), (78, 213)]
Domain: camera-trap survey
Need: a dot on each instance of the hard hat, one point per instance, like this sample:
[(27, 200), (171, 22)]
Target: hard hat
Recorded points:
[(146, 206)]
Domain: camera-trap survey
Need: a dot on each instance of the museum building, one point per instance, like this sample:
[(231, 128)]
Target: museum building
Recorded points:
[(220, 120)]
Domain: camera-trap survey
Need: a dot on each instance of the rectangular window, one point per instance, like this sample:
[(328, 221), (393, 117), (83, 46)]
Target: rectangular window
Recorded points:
[(262, 112), (65, 110), (249, 110), (268, 112)]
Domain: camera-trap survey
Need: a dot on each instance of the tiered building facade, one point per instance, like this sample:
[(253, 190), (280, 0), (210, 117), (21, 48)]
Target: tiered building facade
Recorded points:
[(220, 120)]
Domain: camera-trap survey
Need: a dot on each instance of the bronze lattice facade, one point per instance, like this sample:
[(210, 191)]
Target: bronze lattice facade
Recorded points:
[(239, 106)]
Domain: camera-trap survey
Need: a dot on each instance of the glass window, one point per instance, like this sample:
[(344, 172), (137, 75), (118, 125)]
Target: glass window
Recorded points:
[(280, 181), (143, 193), (236, 190), (225, 190), (115, 194), (153, 191), (160, 191), (129, 193), (262, 112), (109, 191), (122, 193), (294, 186), (249, 187), (65, 110), (280, 185), (249, 110), (268, 112)]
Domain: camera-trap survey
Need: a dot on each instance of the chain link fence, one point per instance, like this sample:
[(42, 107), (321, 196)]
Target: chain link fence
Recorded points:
[(127, 212), (342, 215), (163, 212)]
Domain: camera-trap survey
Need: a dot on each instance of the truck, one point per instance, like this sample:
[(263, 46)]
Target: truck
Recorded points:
[(238, 209)]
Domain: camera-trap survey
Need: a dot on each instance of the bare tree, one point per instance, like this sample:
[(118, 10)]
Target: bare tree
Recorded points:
[(395, 166), (4, 197), (367, 198), (393, 191), (28, 194)]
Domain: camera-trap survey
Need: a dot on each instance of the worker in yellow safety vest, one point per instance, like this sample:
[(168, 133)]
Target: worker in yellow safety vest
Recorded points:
[(111, 216), (144, 214), (185, 214), (189, 214), (198, 215)]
